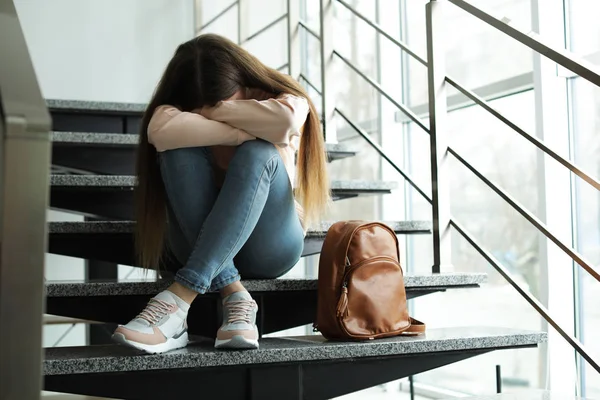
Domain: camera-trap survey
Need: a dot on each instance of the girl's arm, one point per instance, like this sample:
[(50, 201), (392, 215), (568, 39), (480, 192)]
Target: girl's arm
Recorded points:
[(171, 128), (275, 120)]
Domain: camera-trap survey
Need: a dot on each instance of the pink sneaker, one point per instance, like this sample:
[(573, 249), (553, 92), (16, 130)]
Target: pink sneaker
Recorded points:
[(239, 330), (160, 327)]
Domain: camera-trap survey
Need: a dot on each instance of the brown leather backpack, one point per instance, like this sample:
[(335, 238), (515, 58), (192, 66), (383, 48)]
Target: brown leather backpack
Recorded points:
[(361, 291)]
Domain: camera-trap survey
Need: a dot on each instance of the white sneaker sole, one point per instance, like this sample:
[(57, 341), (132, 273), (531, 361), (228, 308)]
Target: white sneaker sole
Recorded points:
[(236, 342), (170, 344)]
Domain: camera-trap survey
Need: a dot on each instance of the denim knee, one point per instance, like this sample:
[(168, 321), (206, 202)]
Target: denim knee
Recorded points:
[(255, 153)]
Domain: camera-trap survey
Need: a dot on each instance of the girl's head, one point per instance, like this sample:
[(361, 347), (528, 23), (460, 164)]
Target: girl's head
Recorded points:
[(208, 69), (204, 71)]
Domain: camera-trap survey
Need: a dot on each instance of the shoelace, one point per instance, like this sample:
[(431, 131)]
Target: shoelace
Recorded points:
[(239, 311), (155, 310)]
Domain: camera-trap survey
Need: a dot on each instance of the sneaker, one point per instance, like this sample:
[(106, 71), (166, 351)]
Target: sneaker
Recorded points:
[(239, 329), (160, 327)]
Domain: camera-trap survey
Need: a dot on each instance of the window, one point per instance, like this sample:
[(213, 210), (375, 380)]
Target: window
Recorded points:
[(586, 123), (501, 71), (585, 108)]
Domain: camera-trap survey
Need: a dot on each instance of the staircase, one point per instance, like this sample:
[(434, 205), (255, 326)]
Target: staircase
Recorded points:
[(93, 152)]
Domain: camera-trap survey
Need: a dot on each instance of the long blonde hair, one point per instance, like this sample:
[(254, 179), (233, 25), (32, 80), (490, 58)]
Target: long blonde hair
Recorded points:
[(204, 71)]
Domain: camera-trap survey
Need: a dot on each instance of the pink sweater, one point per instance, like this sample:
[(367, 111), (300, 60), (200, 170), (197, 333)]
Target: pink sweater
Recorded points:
[(231, 123), (278, 120)]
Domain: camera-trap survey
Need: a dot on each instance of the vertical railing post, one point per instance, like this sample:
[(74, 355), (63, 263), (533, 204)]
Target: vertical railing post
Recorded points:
[(294, 57), (326, 22), (240, 21), (440, 189)]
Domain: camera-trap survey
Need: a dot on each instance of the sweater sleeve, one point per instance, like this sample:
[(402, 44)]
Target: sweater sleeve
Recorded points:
[(171, 128), (275, 120)]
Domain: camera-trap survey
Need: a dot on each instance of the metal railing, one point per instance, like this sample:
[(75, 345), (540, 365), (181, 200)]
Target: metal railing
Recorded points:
[(437, 130), (24, 171)]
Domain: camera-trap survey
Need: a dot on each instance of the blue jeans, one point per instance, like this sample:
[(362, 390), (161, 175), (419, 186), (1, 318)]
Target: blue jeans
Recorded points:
[(249, 227)]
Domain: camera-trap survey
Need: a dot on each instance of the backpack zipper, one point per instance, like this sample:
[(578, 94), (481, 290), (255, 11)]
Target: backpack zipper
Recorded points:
[(342, 307)]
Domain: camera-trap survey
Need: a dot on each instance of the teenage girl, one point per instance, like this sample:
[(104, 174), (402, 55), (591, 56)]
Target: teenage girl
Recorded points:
[(219, 184)]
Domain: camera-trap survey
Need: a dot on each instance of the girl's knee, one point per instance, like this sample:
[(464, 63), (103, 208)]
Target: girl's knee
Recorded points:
[(257, 147), (256, 152), (183, 156)]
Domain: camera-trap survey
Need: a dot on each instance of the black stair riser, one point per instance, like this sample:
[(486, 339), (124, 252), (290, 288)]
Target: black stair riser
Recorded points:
[(109, 122), (111, 159), (118, 247), (117, 202), (277, 310), (295, 381), (114, 160)]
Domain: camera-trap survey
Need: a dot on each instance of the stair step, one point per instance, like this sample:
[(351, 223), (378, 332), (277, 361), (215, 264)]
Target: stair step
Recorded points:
[(90, 240), (65, 396), (127, 288), (295, 350), (111, 196), (118, 302), (98, 107), (283, 368), (114, 153), (60, 320)]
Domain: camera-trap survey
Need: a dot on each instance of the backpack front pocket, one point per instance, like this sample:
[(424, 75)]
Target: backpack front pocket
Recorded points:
[(372, 302)]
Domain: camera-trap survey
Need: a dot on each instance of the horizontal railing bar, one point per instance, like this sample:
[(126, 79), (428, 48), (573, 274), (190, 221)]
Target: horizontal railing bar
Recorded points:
[(539, 307), (284, 66), (266, 28), (382, 153), (219, 15), (529, 217), (532, 139), (532, 40), (307, 29), (404, 109), (375, 26), (310, 84)]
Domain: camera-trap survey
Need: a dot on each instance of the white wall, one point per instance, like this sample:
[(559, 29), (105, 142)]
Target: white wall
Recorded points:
[(103, 50)]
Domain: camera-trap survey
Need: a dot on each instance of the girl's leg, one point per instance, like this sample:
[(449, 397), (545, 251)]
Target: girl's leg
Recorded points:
[(256, 176), (274, 245), (191, 191), (256, 181)]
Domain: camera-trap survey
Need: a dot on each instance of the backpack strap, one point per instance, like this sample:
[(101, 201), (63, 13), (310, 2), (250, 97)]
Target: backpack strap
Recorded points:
[(416, 328)]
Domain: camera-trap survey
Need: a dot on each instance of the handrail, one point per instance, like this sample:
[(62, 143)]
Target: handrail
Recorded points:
[(532, 139), (219, 15), (539, 307), (25, 125), (266, 28), (529, 217), (532, 40), (382, 153), (377, 87), (307, 29), (310, 84), (375, 26), (282, 67)]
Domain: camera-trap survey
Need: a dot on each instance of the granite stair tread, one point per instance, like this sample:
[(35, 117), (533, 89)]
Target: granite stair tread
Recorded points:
[(201, 353), (128, 226), (99, 107), (111, 197), (138, 287), (96, 138), (90, 240), (132, 140), (127, 182)]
